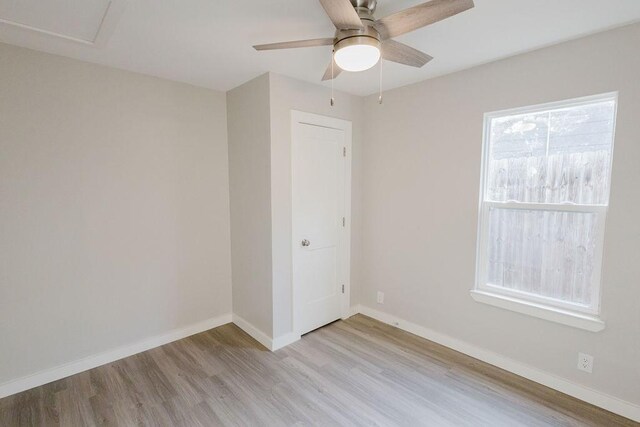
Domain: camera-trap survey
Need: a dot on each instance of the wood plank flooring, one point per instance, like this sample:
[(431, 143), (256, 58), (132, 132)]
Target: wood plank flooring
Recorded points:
[(353, 372)]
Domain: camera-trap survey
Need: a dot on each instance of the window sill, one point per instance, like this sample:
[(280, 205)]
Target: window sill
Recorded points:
[(581, 321)]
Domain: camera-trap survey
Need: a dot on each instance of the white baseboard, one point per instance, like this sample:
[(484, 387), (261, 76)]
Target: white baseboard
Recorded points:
[(264, 339), (53, 374), (284, 340), (605, 401), (353, 310), (254, 332)]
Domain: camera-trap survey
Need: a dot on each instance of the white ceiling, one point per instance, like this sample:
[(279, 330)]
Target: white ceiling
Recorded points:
[(208, 42)]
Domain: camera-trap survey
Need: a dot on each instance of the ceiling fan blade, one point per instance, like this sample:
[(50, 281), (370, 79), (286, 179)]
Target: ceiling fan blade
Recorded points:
[(293, 44), (342, 14), (420, 16), (403, 54), (336, 70)]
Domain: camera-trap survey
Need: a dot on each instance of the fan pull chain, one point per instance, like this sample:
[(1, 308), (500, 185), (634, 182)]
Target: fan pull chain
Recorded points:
[(380, 97), (332, 100)]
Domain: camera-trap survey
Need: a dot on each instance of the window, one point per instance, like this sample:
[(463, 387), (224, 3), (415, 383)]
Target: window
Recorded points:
[(543, 202)]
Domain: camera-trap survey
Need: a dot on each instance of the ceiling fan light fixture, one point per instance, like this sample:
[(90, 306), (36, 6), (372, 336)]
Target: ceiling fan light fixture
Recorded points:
[(357, 53), (357, 41)]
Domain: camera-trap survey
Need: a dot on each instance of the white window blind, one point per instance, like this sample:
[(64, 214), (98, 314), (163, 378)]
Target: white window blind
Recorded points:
[(546, 178)]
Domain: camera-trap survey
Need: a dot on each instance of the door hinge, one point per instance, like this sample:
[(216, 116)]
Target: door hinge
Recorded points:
[(344, 151), (343, 222), (343, 289)]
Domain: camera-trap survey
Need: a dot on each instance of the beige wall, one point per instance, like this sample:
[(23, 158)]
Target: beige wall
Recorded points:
[(290, 94), (250, 171), (421, 171), (114, 211)]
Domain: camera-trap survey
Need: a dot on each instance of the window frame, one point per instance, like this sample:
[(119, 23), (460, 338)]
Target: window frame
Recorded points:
[(532, 304)]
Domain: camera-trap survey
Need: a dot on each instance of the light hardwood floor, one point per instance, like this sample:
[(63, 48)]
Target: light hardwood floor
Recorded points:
[(354, 372)]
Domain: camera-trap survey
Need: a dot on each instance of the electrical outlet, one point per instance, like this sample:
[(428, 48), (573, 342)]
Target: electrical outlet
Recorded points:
[(380, 297), (585, 362)]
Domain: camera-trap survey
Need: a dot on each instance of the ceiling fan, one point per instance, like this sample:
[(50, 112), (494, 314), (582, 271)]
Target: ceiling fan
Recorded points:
[(361, 40)]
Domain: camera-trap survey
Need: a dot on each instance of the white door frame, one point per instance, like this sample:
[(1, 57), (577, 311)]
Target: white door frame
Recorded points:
[(300, 117)]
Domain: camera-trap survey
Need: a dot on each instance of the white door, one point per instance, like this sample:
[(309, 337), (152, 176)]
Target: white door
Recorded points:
[(321, 148)]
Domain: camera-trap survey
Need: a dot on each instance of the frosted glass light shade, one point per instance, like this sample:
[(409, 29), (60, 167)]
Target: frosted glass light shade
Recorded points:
[(357, 53)]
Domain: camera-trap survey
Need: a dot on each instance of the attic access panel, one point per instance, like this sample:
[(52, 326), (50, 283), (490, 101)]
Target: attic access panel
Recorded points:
[(76, 20)]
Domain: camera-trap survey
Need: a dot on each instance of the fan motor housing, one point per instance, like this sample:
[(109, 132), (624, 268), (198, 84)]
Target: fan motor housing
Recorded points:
[(368, 35)]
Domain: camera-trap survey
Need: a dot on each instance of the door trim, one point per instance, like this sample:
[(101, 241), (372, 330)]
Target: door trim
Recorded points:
[(301, 117)]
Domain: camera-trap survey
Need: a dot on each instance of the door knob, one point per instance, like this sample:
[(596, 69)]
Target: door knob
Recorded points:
[(305, 242)]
